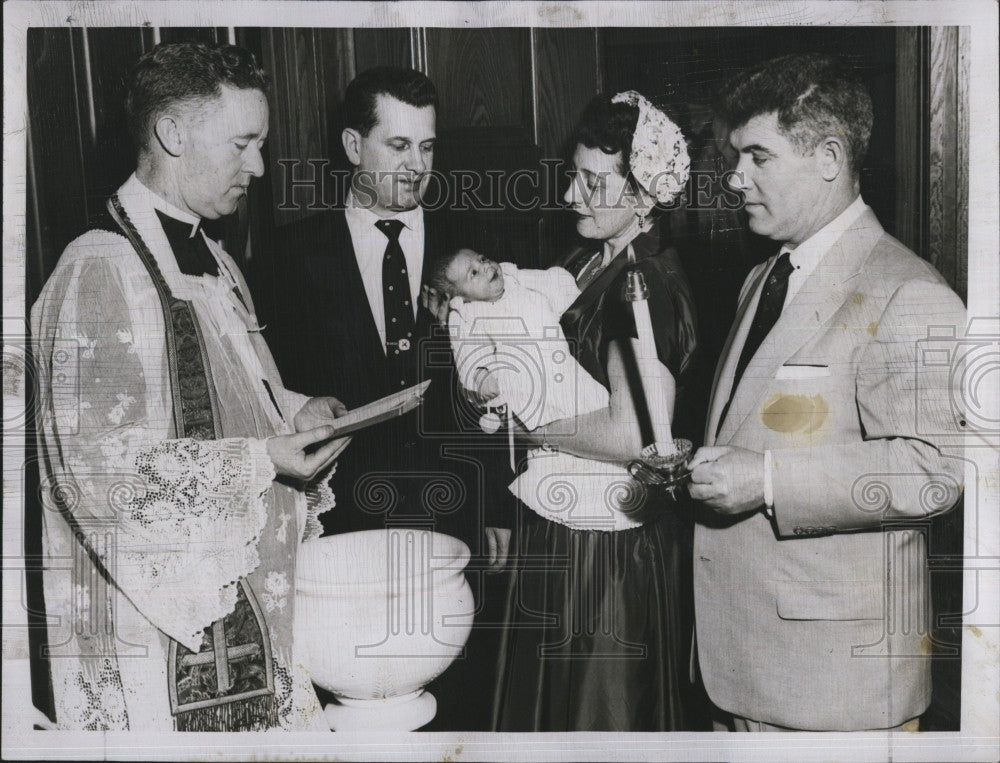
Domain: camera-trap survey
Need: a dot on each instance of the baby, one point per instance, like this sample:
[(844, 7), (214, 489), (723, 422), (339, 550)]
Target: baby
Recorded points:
[(509, 347)]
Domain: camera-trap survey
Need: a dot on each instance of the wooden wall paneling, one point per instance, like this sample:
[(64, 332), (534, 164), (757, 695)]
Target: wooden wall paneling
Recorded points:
[(149, 38), (483, 77), (498, 226), (486, 123), (599, 64), (943, 150), (56, 213), (310, 69), (947, 195), (911, 137), (306, 115), (273, 58), (931, 194), (108, 153), (381, 47), (338, 66), (566, 78), (962, 165), (57, 179), (207, 35), (281, 140), (565, 71)]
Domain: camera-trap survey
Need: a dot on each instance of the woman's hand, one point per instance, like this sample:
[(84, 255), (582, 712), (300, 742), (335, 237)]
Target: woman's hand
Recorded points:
[(613, 434), (293, 454)]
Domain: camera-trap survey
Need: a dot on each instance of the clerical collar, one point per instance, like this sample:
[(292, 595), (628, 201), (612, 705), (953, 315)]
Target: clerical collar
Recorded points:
[(162, 205), (193, 256)]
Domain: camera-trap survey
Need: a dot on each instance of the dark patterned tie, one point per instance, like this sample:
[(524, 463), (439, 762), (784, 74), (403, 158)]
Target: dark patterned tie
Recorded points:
[(399, 323), (193, 256), (772, 299)]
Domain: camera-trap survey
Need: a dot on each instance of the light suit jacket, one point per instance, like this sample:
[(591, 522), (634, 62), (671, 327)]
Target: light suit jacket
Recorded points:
[(818, 618)]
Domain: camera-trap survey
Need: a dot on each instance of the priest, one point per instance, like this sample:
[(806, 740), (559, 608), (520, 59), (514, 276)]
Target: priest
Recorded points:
[(179, 475)]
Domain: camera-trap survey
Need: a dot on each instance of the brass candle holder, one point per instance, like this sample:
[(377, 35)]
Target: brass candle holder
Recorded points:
[(665, 472)]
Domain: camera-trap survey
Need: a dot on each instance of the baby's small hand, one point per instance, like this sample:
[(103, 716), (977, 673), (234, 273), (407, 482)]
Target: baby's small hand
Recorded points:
[(486, 383)]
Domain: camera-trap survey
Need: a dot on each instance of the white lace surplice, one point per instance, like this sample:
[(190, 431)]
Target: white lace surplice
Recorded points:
[(174, 522)]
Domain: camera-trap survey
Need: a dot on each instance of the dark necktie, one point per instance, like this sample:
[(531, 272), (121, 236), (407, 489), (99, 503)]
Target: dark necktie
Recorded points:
[(772, 299), (399, 323), (193, 256)]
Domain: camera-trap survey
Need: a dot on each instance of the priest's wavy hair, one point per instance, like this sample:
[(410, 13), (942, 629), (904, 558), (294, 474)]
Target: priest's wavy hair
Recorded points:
[(814, 95), (188, 72)]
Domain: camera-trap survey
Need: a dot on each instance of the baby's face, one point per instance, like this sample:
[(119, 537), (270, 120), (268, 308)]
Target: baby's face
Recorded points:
[(474, 277)]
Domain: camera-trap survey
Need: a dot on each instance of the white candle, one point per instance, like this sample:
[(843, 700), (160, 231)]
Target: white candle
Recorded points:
[(652, 376)]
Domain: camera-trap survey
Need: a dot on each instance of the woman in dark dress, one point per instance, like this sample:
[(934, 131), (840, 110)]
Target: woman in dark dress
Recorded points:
[(599, 613)]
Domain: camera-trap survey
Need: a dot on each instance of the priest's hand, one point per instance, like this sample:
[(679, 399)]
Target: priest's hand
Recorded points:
[(318, 412), (303, 455), (730, 480), (436, 302)]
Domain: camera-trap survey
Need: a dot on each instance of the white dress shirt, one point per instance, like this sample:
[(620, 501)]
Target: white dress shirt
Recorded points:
[(804, 258), (807, 255), (369, 249)]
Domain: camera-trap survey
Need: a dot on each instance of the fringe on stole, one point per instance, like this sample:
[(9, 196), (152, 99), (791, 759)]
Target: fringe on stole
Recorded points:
[(252, 714)]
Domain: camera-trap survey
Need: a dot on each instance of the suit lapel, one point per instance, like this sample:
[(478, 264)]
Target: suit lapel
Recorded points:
[(823, 293), (726, 369), (346, 310)]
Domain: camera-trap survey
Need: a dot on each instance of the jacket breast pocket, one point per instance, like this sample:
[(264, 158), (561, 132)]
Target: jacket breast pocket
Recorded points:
[(794, 371), (851, 600)]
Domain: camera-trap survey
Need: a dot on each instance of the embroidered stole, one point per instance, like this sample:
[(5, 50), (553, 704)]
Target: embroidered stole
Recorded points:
[(228, 685)]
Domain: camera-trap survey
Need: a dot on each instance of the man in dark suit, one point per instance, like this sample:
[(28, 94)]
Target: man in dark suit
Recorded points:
[(348, 318)]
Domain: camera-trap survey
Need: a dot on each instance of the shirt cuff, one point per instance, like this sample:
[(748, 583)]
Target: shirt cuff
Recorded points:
[(768, 486)]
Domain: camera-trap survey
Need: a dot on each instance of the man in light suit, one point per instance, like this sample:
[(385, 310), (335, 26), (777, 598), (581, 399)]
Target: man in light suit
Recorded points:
[(811, 595)]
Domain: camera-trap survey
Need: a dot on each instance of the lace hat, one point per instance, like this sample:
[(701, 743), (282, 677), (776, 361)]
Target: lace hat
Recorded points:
[(659, 160)]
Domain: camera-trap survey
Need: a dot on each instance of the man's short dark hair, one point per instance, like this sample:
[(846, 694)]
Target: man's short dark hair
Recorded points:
[(184, 72), (814, 95), (407, 85)]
